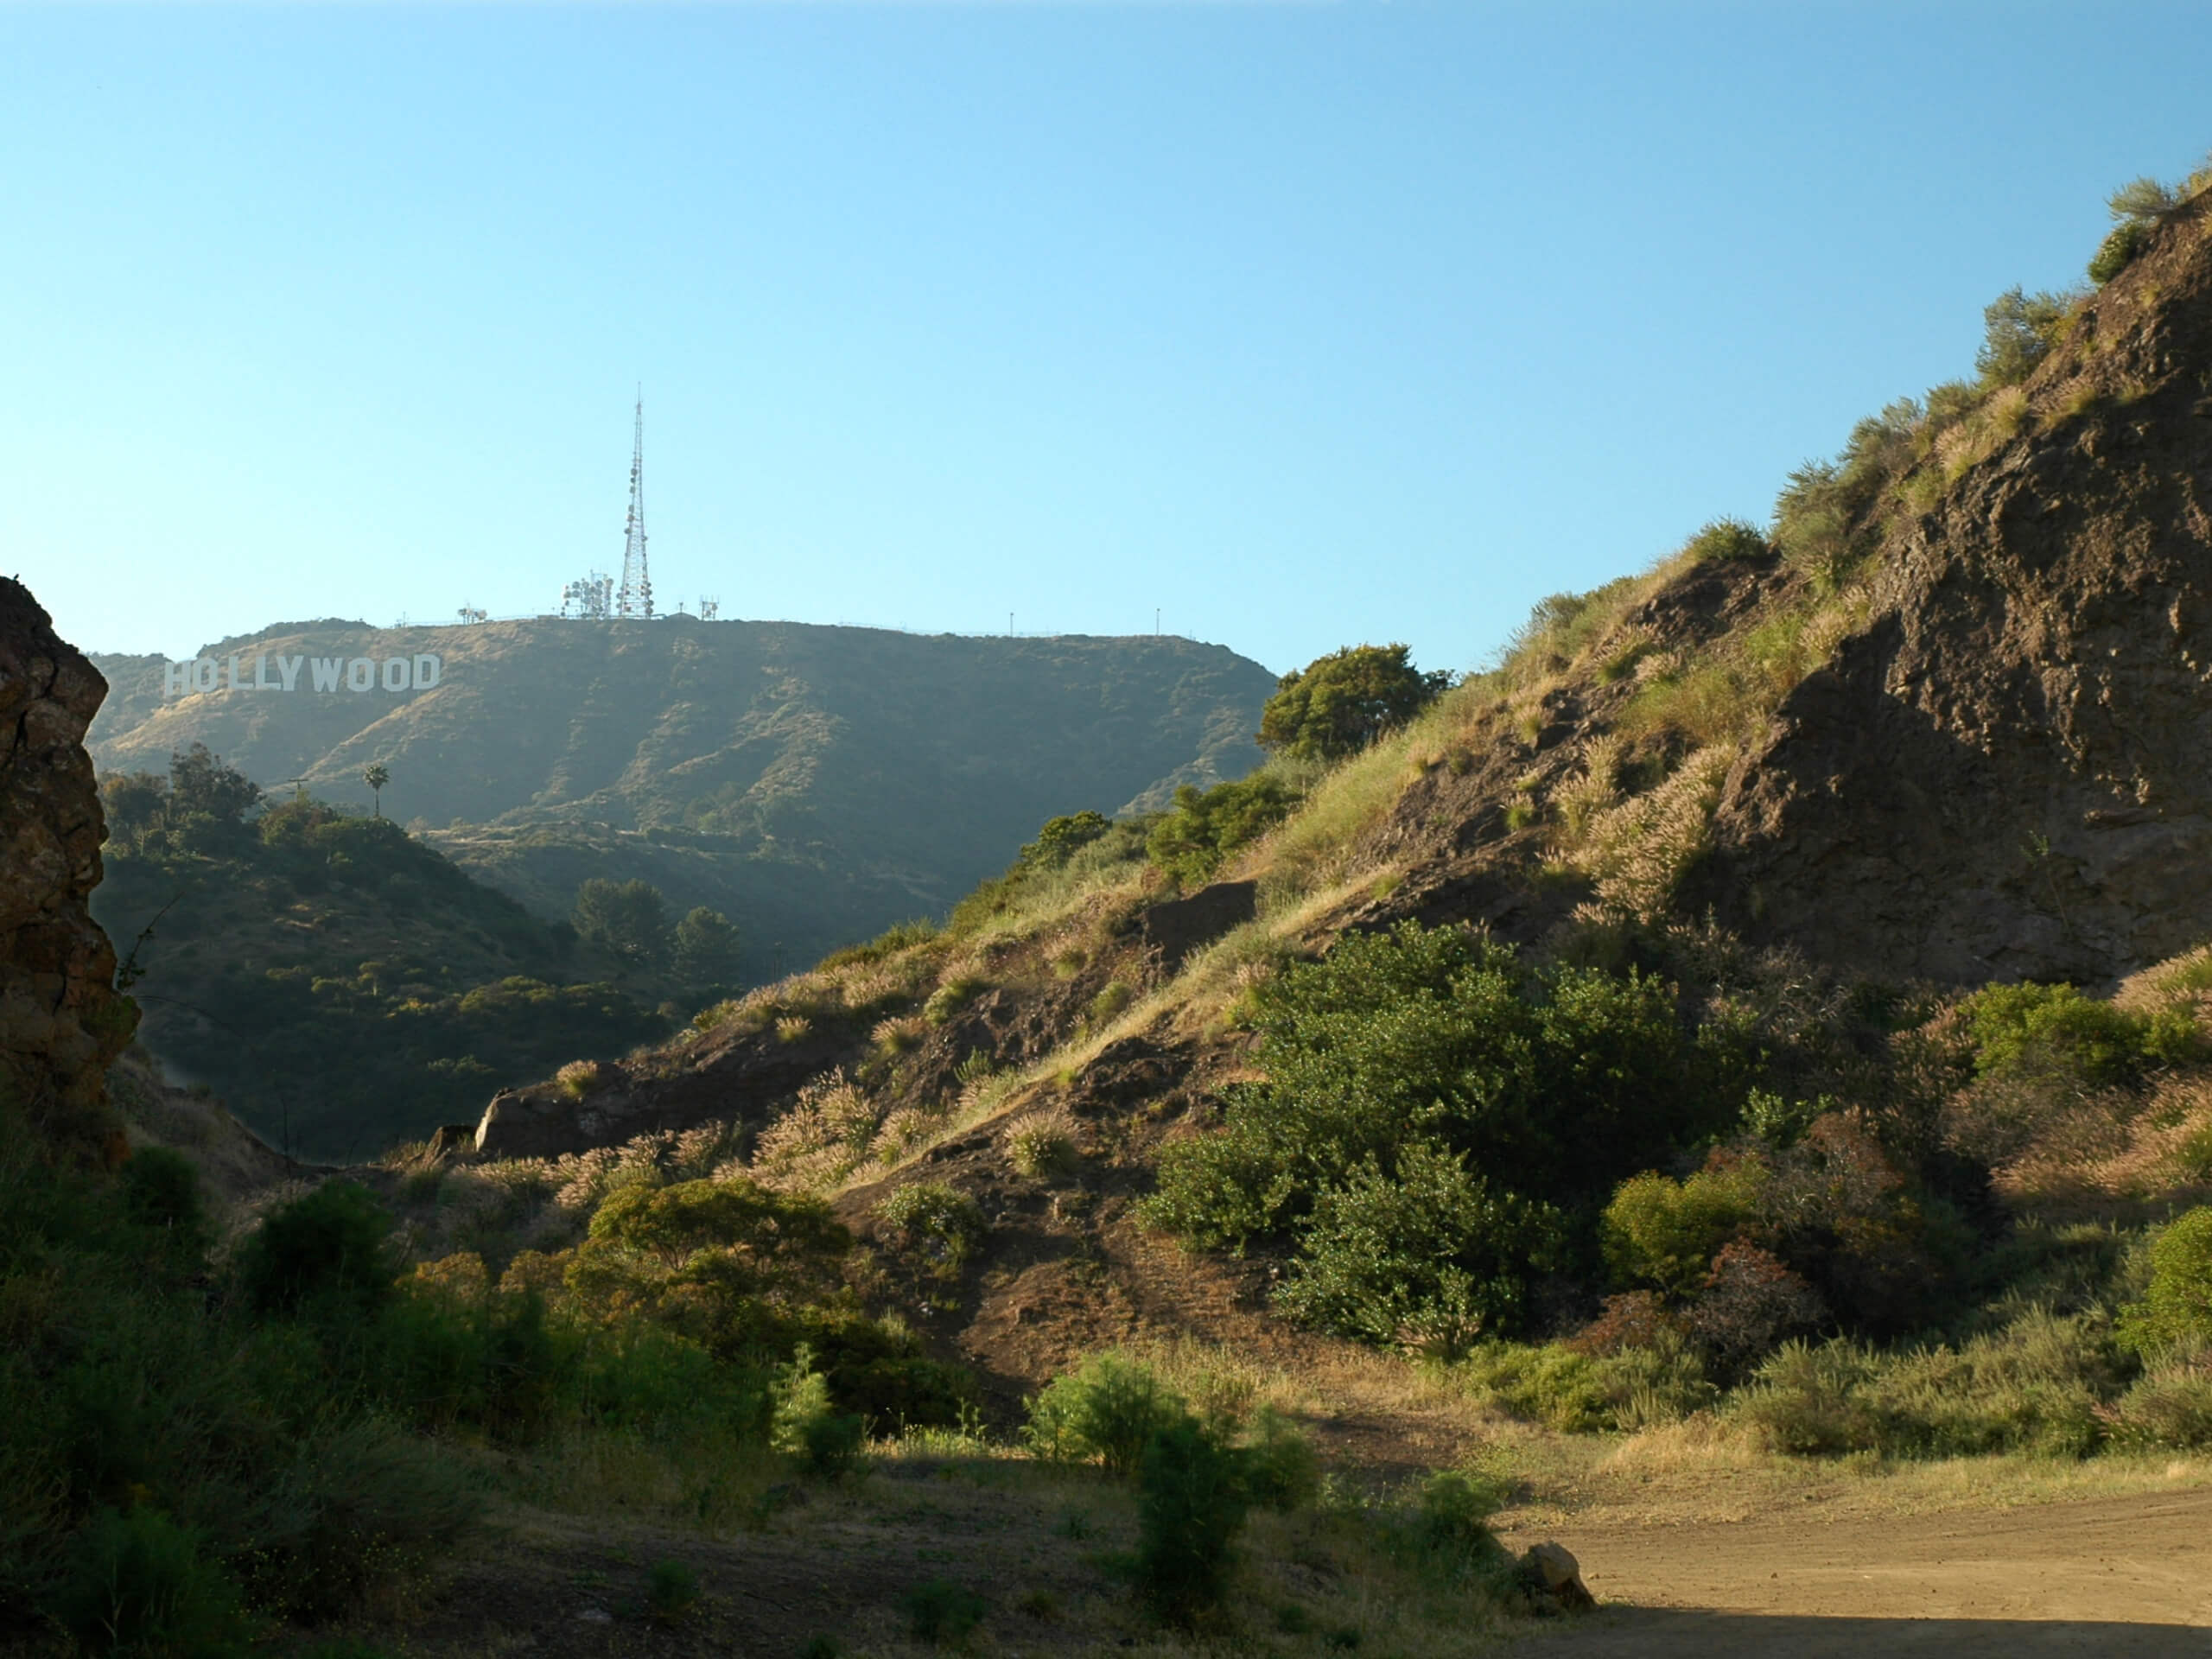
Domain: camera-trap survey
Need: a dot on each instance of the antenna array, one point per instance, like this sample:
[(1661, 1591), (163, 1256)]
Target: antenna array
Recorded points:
[(635, 596)]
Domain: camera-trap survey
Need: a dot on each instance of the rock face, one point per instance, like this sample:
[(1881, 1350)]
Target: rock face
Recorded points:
[(62, 1023), (2007, 773)]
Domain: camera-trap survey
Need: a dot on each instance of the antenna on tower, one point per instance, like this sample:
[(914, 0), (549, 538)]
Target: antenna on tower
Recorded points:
[(635, 597)]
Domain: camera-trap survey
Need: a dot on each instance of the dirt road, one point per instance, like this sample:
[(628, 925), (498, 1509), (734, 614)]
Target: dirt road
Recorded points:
[(2126, 1577)]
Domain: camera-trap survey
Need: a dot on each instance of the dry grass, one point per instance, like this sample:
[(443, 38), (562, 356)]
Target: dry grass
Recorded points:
[(1636, 852)]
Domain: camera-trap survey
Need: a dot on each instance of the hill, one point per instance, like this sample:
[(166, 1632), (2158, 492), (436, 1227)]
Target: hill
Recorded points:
[(339, 985), (742, 765), (1695, 979)]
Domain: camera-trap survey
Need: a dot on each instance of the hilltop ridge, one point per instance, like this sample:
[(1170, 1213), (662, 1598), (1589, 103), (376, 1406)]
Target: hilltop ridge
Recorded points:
[(742, 765)]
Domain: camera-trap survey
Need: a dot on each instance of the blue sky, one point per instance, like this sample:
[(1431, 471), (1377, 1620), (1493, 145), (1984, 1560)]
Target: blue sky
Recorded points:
[(1304, 324)]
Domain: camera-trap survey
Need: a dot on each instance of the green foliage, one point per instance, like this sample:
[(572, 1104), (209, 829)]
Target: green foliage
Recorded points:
[(2045, 1030), (321, 1045), (671, 1592), (1424, 1257), (1452, 1515), (161, 1190), (804, 1423), (1281, 1469), (1061, 839), (330, 1251), (1724, 539), (940, 1223), (2021, 329), (1519, 1093), (705, 948), (2033, 1386), (1338, 704), (2118, 250), (2177, 1309), (137, 1583), (1663, 1233), (1192, 841), (1193, 1496), (900, 936), (944, 1613), (627, 919), (1106, 1410)]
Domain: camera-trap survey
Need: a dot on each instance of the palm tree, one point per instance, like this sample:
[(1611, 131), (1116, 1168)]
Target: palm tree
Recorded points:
[(376, 778)]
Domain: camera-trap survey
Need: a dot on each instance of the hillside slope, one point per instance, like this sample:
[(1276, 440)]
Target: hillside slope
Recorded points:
[(1933, 732), (762, 753)]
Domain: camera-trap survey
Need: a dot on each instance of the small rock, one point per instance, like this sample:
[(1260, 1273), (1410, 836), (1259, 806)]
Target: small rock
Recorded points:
[(1552, 1579)]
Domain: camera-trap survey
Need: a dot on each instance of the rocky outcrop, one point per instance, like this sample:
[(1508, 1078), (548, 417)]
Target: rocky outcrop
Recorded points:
[(2007, 773), (61, 1021)]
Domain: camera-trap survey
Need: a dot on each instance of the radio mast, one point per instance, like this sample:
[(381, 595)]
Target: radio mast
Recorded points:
[(635, 598)]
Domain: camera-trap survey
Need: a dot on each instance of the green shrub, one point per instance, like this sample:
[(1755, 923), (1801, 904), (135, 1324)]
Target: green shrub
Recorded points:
[(330, 1250), (1724, 539), (2039, 1030), (1450, 1522), (1107, 1409), (1281, 1470), (1193, 1495), (671, 1592), (1061, 839), (2019, 331), (160, 1189), (1338, 704), (805, 1425), (952, 996), (1663, 1233), (939, 1222), (137, 1583), (1425, 1256), (1192, 841), (2169, 1406), (942, 1612), (2118, 250), (1529, 1091), (2177, 1309)]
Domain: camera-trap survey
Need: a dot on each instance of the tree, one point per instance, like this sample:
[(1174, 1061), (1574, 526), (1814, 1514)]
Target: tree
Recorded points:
[(628, 918), (1338, 704), (706, 947), (200, 784), (376, 778)]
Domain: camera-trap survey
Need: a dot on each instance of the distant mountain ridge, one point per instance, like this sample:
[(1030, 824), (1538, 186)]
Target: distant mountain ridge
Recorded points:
[(815, 783)]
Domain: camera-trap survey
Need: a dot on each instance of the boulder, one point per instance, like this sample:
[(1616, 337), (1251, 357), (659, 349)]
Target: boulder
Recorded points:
[(1552, 1579), (62, 1020)]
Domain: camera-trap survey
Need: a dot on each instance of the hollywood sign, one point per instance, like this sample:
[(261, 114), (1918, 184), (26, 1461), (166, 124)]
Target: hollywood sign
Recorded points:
[(417, 673)]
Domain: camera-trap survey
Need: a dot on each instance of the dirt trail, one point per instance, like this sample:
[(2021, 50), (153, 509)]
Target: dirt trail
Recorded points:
[(2122, 1576)]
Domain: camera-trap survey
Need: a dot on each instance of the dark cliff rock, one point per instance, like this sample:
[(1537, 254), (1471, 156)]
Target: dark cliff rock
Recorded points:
[(2007, 773), (62, 1023)]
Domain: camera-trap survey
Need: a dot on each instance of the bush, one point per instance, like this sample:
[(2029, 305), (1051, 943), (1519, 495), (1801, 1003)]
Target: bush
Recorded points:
[(1748, 1303), (2177, 1309), (1664, 1233), (1338, 704), (2020, 329), (671, 1592), (1450, 1522), (1192, 1499), (330, 1250), (1724, 539), (1425, 1257), (1530, 1091), (939, 1222), (805, 1425), (1043, 1147), (1192, 841), (942, 1612), (137, 1583), (160, 1189), (1281, 1470), (1107, 1409), (2169, 1406), (2040, 1029), (2118, 250)]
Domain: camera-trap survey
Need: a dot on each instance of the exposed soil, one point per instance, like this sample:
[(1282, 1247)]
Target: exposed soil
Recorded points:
[(2122, 1576)]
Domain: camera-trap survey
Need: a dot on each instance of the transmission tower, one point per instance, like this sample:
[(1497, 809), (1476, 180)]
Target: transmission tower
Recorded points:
[(635, 597)]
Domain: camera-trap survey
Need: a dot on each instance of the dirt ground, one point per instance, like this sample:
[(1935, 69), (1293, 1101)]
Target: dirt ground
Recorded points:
[(2122, 1576)]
